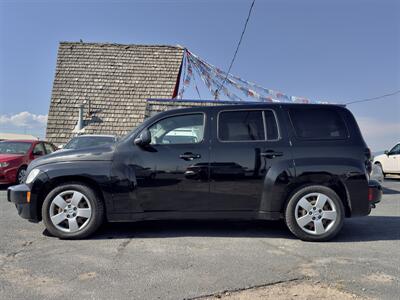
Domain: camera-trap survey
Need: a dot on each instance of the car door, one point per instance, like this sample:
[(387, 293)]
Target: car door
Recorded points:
[(246, 143), (172, 172), (392, 162)]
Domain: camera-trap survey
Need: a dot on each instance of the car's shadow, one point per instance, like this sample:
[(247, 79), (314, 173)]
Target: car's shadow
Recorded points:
[(371, 228), (387, 191), (4, 187)]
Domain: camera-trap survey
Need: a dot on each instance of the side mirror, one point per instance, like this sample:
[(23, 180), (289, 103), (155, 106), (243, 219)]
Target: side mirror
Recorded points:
[(38, 153), (386, 152), (144, 138)]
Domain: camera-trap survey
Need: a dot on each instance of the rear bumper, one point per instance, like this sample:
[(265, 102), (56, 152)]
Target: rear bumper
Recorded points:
[(374, 193), (20, 195)]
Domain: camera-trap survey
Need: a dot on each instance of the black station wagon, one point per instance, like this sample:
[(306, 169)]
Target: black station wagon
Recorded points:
[(304, 163)]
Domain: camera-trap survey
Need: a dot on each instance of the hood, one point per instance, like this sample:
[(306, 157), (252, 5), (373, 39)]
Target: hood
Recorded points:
[(99, 153), (10, 156)]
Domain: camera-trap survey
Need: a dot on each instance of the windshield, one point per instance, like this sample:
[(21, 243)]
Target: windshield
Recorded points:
[(14, 147), (89, 141)]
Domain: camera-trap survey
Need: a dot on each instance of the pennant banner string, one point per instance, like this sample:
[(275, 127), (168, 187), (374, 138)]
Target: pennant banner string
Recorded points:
[(213, 77)]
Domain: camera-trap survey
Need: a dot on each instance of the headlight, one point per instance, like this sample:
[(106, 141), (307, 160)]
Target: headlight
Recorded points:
[(4, 164), (32, 175)]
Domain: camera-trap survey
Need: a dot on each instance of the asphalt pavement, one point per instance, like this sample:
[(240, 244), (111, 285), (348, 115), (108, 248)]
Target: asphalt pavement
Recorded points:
[(181, 260)]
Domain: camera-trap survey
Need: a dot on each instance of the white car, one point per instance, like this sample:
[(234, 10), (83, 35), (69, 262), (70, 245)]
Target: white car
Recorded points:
[(389, 162)]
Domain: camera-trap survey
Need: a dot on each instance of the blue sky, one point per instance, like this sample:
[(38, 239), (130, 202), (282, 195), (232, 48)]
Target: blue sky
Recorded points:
[(341, 50)]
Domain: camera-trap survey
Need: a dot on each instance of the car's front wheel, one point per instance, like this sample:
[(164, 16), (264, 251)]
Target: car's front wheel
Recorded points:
[(72, 211), (315, 213), (21, 175), (379, 166)]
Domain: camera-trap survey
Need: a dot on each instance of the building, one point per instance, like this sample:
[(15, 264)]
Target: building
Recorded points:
[(109, 84)]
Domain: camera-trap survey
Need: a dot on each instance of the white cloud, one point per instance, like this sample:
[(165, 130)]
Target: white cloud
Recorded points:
[(379, 134), (24, 120)]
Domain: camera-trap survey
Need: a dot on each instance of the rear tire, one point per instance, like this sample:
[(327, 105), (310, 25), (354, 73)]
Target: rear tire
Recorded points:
[(314, 213), (72, 211)]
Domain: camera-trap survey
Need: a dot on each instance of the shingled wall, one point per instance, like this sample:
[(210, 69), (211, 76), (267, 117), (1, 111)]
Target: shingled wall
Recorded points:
[(116, 79)]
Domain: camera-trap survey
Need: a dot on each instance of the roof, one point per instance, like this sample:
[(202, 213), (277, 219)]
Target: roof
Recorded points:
[(115, 79), (17, 136), (22, 141)]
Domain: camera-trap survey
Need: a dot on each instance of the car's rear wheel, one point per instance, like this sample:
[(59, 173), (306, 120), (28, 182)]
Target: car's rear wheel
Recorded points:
[(72, 211), (21, 175), (314, 213)]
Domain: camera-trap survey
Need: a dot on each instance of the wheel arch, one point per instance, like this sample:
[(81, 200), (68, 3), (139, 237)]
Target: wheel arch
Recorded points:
[(319, 178), (53, 182)]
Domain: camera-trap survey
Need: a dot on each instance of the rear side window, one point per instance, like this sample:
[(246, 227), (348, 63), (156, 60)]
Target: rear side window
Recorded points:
[(317, 123), (49, 148), (241, 126)]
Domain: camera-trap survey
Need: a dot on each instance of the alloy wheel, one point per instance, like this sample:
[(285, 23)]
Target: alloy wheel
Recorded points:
[(21, 175), (70, 211), (315, 213)]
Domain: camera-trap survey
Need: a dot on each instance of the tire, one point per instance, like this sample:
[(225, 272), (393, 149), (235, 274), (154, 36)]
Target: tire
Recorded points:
[(330, 215), (20, 178), (72, 211), (379, 165)]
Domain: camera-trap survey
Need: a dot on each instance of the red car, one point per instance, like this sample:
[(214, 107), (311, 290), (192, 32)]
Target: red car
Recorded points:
[(15, 156)]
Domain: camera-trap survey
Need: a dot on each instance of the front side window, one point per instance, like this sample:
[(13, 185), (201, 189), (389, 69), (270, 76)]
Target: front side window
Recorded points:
[(243, 125), (38, 149), (317, 123), (183, 129)]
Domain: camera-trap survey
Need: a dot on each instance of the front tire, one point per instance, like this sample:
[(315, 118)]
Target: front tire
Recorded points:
[(21, 175), (72, 211), (314, 213), (379, 165)]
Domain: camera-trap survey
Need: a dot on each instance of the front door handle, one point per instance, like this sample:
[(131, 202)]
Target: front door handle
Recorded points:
[(189, 156), (271, 154)]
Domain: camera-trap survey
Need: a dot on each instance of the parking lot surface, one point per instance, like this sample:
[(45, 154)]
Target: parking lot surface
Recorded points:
[(181, 260)]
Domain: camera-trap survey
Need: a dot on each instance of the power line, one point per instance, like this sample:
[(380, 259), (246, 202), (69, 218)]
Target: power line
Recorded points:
[(374, 98), (237, 48)]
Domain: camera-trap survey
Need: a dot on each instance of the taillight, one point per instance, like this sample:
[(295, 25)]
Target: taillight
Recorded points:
[(370, 195)]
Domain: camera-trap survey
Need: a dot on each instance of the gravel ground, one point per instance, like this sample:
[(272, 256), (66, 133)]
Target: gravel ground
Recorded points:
[(183, 260)]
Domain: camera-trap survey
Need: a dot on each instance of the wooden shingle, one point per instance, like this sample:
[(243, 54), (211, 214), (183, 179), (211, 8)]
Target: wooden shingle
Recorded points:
[(116, 79)]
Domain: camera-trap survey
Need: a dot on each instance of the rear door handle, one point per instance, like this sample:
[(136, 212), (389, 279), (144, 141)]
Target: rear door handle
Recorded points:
[(271, 154), (189, 156)]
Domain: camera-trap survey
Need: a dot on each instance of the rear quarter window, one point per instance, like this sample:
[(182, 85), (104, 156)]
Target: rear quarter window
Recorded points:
[(317, 123)]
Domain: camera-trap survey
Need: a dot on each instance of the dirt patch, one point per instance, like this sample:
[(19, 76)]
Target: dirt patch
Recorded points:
[(299, 290), (23, 279), (379, 278), (86, 276)]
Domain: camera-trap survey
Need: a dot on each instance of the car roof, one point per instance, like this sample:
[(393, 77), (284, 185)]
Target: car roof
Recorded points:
[(241, 106)]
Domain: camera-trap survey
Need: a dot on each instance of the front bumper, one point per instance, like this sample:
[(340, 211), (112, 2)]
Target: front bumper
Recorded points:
[(374, 193), (21, 196)]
